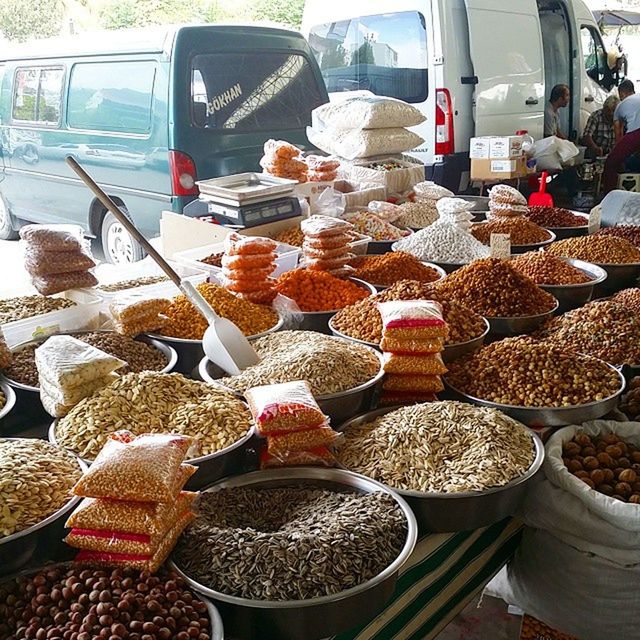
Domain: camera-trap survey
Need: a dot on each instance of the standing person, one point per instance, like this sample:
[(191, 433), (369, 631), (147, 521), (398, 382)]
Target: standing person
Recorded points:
[(599, 135), (559, 99), (627, 128)]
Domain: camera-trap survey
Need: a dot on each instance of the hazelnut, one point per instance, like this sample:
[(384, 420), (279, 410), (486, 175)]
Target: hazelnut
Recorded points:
[(609, 476), (636, 487), (623, 489), (571, 449), (611, 438), (589, 482), (573, 466), (588, 451), (582, 439), (635, 498), (606, 460), (591, 463), (607, 489), (624, 462), (628, 475), (614, 451), (597, 475), (581, 474)]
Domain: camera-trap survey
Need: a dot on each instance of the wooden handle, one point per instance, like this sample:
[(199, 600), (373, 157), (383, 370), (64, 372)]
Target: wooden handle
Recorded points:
[(113, 208)]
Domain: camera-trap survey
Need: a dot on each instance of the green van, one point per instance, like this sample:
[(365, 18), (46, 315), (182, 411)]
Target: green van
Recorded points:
[(147, 112)]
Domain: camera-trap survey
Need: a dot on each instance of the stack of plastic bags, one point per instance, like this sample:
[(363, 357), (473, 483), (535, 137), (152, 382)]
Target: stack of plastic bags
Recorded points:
[(322, 169), (413, 337), (70, 370), (429, 193), (456, 211), (133, 314), (283, 160), (134, 508), (56, 258), (365, 127), (326, 245), (506, 202), (247, 265), (296, 430)]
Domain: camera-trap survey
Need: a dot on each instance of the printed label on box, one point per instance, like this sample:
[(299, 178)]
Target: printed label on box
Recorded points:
[(479, 148), (506, 147), (503, 166), (500, 244)]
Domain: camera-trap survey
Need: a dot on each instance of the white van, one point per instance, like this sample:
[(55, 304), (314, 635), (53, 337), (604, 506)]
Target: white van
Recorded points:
[(474, 67)]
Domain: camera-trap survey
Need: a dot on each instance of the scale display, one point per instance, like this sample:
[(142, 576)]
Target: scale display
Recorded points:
[(253, 214)]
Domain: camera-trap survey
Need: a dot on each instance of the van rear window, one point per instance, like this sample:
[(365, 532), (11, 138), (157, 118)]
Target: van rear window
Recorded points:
[(385, 54), (257, 91)]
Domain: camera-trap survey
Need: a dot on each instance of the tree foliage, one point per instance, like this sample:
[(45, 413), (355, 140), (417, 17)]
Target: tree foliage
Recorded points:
[(285, 12), (21, 20), (121, 14)]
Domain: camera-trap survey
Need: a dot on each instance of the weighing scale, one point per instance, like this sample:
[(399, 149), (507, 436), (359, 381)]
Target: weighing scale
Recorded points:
[(245, 200)]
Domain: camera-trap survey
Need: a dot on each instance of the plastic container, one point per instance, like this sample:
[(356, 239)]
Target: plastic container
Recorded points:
[(360, 247), (84, 316), (286, 261)]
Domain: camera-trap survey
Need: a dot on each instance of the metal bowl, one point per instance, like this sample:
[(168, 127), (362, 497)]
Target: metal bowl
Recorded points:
[(232, 460), (572, 232), (450, 267), (10, 399), (441, 272), (619, 276), (572, 296), (446, 512), (378, 247), (18, 548), (314, 618), (319, 320), (338, 406), (519, 324), (523, 248), (190, 352), (551, 416), (451, 351)]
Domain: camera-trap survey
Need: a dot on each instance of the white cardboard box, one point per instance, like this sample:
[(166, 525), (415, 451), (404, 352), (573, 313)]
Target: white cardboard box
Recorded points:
[(505, 147), (480, 148)]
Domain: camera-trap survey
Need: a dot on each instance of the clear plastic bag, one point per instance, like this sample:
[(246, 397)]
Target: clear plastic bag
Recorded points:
[(57, 283), (237, 245), (391, 345), (371, 225), (412, 314), (449, 206), (322, 164), (6, 357), (324, 227), (507, 195), (53, 408), (424, 364), (53, 237), (322, 176), (46, 263), (366, 112), (280, 149), (70, 396), (145, 468), (278, 408), (364, 143), (428, 190), (66, 362), (257, 261), (295, 441), (134, 314), (312, 252), (413, 384), (386, 210), (504, 210), (339, 241), (330, 264), (318, 457)]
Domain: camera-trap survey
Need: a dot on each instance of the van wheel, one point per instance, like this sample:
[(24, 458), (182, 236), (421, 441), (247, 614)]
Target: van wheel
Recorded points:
[(7, 232), (118, 245)]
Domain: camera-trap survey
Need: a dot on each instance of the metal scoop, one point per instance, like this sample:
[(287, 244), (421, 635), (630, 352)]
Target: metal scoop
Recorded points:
[(223, 342)]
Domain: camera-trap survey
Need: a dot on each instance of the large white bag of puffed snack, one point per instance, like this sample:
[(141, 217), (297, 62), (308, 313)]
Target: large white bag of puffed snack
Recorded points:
[(578, 566), (366, 112)]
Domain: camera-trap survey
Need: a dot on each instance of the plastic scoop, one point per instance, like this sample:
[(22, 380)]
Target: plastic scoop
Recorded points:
[(223, 342), (541, 198)]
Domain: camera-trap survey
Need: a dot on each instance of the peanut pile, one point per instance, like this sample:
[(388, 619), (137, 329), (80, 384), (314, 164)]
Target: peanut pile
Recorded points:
[(389, 268), (630, 232), (521, 231), (545, 268), (555, 217), (363, 322), (495, 289), (630, 298), (607, 464), (601, 329), (526, 373), (597, 249)]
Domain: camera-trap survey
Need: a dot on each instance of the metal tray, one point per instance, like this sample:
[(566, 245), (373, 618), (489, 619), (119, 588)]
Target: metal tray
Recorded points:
[(243, 188)]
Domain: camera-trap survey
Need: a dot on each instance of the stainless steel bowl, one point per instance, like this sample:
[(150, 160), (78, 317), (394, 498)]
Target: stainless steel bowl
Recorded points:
[(190, 352), (338, 406), (450, 267), (315, 618), (232, 460), (619, 276), (572, 232), (451, 351), (441, 272), (319, 320), (446, 512), (169, 353), (10, 399), (572, 296), (523, 248), (17, 549), (551, 416), (378, 247), (520, 324)]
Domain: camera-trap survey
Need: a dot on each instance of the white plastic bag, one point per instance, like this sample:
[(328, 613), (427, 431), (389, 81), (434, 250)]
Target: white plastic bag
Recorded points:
[(366, 112), (545, 152)]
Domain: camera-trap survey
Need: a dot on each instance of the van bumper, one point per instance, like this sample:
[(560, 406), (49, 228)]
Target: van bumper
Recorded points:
[(452, 172)]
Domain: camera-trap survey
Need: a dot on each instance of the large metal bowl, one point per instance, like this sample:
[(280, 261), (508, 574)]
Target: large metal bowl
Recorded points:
[(10, 399), (17, 549), (619, 276), (524, 248), (338, 406), (315, 618), (572, 296), (551, 416), (451, 351), (232, 460), (190, 352), (572, 232), (319, 320), (446, 512), (379, 247), (519, 324)]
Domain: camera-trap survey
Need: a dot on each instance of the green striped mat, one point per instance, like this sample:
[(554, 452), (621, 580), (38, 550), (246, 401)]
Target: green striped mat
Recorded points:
[(442, 575)]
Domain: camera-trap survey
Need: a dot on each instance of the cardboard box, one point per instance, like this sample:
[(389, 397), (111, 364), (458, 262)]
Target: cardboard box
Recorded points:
[(533, 629), (488, 170), (357, 196), (505, 147), (480, 148)]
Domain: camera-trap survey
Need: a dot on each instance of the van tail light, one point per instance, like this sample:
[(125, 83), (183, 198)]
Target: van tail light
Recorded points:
[(183, 174), (444, 123)]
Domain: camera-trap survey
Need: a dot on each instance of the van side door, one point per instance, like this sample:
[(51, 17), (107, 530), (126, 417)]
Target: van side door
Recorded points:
[(507, 55)]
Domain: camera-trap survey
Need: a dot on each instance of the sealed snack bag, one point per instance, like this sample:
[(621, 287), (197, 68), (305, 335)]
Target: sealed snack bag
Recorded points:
[(412, 320), (132, 314)]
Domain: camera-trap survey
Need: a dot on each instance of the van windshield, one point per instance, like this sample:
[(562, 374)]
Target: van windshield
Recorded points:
[(257, 91), (385, 54)]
